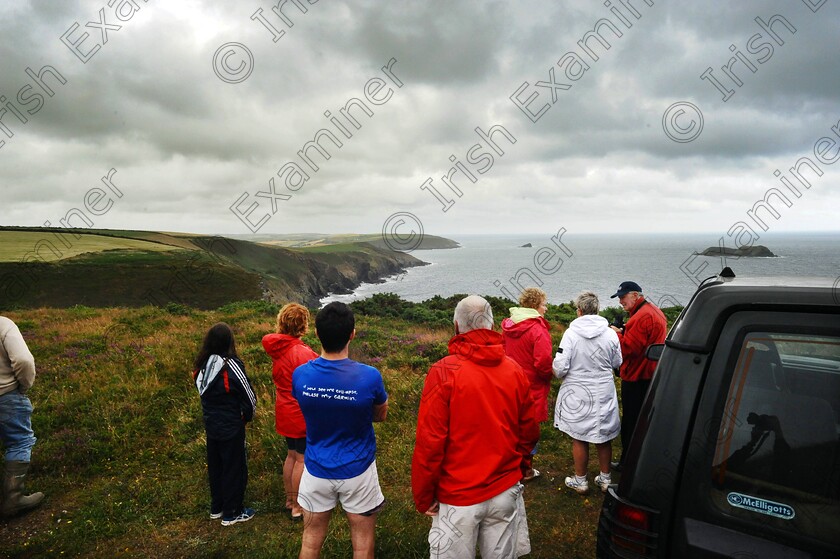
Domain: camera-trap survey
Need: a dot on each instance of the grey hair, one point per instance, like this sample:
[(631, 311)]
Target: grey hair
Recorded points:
[(472, 313), (587, 303)]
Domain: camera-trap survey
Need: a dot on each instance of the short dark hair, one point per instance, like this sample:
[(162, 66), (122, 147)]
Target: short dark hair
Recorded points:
[(219, 341), (334, 324)]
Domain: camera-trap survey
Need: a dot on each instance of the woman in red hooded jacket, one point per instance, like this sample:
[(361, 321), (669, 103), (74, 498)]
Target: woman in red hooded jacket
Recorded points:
[(288, 351), (528, 342)]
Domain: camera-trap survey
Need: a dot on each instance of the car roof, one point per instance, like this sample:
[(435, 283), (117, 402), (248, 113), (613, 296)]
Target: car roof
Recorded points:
[(715, 300)]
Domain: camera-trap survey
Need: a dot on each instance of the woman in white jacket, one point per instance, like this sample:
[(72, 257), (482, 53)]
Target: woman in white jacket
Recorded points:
[(587, 404)]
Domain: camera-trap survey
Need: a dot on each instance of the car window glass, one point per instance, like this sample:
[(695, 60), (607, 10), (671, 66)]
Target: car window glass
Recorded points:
[(777, 457)]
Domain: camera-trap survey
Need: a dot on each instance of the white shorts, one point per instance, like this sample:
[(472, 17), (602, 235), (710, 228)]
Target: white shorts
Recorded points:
[(499, 526), (357, 495)]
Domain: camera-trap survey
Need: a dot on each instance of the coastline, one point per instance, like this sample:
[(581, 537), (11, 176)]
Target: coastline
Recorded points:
[(599, 263)]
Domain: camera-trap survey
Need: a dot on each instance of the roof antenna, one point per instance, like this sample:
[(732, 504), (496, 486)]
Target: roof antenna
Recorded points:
[(727, 273)]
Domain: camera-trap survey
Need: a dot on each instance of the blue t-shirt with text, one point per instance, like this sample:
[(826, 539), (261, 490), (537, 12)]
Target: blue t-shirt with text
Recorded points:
[(337, 399)]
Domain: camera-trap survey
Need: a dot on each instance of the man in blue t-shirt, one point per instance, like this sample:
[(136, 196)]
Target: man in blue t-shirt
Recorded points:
[(340, 399)]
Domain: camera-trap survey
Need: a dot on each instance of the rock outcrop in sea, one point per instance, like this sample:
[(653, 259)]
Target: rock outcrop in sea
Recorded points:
[(756, 251)]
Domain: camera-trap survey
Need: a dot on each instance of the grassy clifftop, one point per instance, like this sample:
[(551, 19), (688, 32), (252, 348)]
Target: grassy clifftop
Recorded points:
[(60, 268), (121, 450)]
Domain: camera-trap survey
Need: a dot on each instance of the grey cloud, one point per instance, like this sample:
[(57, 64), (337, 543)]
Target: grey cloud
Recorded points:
[(438, 42), (150, 105)]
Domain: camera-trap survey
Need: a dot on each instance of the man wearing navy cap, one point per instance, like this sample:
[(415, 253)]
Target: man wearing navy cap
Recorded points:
[(646, 325)]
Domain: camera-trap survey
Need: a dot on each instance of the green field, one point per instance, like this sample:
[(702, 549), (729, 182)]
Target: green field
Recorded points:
[(120, 451), (53, 267), (46, 246), (338, 247), (314, 240), (305, 241)]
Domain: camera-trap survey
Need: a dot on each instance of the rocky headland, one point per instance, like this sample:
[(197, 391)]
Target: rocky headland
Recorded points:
[(755, 251)]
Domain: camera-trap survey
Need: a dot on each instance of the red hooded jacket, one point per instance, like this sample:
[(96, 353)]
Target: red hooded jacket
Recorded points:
[(529, 343), (476, 424), (646, 325), (288, 353)]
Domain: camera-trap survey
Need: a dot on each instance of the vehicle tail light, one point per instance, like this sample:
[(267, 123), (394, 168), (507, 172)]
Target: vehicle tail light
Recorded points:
[(626, 530), (632, 526)]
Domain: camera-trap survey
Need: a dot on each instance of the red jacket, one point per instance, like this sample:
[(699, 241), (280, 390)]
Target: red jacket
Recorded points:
[(529, 344), (476, 424), (646, 325), (288, 353)]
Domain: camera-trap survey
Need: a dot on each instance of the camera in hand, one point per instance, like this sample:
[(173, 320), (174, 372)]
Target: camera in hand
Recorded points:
[(618, 322)]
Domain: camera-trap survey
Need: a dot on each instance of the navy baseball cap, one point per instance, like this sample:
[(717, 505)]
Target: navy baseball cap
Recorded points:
[(625, 288)]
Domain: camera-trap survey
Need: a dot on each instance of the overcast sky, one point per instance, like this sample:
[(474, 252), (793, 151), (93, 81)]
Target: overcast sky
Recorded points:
[(194, 127)]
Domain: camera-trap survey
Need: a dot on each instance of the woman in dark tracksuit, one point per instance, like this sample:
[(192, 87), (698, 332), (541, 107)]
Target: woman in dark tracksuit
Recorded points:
[(228, 403)]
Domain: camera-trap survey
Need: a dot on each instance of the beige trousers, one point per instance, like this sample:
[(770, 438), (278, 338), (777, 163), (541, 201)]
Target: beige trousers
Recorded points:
[(498, 526)]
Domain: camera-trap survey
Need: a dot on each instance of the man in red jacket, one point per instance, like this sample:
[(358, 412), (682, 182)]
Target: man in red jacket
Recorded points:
[(475, 429), (646, 325)]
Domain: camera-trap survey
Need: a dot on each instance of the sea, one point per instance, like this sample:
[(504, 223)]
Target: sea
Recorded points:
[(664, 265)]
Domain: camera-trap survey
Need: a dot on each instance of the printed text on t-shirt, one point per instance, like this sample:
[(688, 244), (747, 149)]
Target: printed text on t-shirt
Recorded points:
[(329, 393)]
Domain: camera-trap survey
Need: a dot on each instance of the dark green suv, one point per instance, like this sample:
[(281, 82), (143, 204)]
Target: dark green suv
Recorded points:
[(737, 449)]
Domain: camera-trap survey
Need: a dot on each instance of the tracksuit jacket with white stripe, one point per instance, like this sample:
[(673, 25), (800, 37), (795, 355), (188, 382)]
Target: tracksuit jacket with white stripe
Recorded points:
[(227, 397)]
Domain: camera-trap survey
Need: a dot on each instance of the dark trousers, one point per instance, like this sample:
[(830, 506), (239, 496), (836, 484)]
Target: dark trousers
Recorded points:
[(632, 397), (227, 468)]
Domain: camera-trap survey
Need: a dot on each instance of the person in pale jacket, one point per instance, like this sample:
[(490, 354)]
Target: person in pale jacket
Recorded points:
[(17, 373), (587, 404)]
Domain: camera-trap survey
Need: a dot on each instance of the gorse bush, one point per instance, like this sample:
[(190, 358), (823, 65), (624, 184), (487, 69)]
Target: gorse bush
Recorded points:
[(390, 305), (178, 309), (671, 313), (263, 308), (438, 311), (563, 313)]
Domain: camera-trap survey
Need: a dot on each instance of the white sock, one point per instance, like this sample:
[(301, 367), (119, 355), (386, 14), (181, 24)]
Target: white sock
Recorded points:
[(605, 475), (580, 479)]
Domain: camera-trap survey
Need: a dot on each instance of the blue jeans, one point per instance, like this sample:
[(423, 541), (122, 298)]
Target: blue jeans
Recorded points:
[(16, 426)]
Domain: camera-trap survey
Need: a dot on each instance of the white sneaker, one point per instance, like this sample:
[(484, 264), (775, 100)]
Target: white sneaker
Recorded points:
[(603, 482), (580, 487), (244, 516)]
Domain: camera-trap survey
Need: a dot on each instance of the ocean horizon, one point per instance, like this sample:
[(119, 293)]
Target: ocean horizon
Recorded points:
[(665, 265)]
